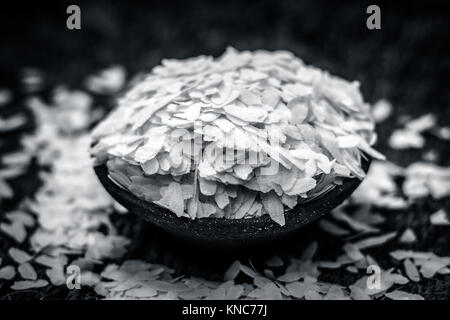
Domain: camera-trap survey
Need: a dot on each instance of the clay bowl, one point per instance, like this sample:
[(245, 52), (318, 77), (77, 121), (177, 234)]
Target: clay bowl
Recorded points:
[(228, 233)]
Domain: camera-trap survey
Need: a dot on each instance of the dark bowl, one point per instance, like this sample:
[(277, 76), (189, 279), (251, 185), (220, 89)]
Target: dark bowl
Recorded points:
[(230, 233)]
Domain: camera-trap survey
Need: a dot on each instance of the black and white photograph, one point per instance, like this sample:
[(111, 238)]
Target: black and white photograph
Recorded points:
[(241, 151)]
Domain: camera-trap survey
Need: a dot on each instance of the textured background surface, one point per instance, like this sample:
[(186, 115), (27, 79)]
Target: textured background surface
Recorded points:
[(406, 62)]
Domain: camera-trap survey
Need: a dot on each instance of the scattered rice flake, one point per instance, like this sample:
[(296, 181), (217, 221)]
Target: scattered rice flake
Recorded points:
[(351, 269), (108, 81), (12, 123), (423, 123), (233, 271), (309, 252), (56, 275), (297, 289), (15, 230), (7, 272), (28, 284), (404, 139), (375, 241), (272, 292), (6, 96), (430, 267), (333, 229), (23, 217), (330, 264), (290, 277), (411, 270), (403, 295), (439, 218), (336, 293), (423, 179), (353, 252), (142, 292), (381, 110), (32, 80), (404, 254), (274, 262), (356, 293), (352, 223), (311, 294), (430, 156), (443, 133), (90, 278), (408, 236), (18, 255), (27, 271), (248, 271)]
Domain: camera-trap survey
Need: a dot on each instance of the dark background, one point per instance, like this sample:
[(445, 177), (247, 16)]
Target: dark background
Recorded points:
[(407, 62)]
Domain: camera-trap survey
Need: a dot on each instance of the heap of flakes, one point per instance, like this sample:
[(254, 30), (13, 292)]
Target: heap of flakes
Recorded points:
[(246, 134), (71, 204)]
